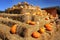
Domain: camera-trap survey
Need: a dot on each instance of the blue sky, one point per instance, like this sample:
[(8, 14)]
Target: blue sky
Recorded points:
[(4, 4)]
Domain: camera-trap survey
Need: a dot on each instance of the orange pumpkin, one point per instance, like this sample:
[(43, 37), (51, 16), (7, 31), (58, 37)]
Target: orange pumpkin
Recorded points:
[(46, 18), (48, 27), (13, 29), (42, 30), (28, 22), (34, 13), (40, 14), (51, 23), (51, 17), (36, 34), (27, 13), (31, 22)]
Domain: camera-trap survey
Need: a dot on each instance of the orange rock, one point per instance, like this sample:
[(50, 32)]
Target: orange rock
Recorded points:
[(36, 34)]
